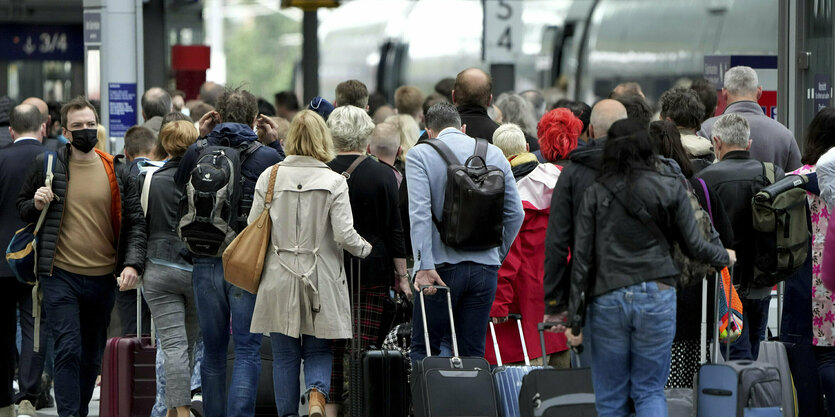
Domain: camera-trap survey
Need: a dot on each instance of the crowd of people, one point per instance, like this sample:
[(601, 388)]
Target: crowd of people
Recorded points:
[(355, 196)]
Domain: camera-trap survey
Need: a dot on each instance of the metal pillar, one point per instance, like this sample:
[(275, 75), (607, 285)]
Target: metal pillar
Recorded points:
[(310, 54), (504, 78), (155, 48)]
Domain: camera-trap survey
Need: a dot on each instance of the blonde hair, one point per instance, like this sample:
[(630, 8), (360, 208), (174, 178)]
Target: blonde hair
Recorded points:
[(101, 136), (409, 131), (350, 127), (309, 136), (177, 136), (510, 139)]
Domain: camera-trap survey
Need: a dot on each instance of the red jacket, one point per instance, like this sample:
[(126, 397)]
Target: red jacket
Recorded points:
[(520, 287)]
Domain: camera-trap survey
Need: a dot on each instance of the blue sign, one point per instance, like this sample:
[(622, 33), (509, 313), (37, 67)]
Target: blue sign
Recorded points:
[(41, 42), (92, 27), (122, 99)]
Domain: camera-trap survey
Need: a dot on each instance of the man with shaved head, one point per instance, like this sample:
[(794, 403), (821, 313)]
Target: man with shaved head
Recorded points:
[(574, 179), (156, 103), (472, 95), (26, 128), (210, 92), (50, 144)]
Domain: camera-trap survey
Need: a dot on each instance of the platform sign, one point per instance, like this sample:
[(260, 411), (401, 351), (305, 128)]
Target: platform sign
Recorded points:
[(121, 108), (823, 92), (41, 42), (715, 67), (92, 27), (503, 31)]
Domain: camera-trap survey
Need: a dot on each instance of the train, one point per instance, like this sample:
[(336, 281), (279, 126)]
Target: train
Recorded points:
[(578, 49)]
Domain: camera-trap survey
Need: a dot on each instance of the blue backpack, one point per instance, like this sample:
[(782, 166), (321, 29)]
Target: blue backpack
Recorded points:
[(22, 253)]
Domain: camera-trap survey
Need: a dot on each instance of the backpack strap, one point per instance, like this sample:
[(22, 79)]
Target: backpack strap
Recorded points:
[(768, 172), (641, 213), (480, 151), (146, 189), (443, 150), (49, 165), (249, 149), (707, 198), (347, 173)]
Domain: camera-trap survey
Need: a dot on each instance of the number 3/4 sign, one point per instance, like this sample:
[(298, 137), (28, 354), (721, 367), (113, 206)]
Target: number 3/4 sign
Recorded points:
[(503, 30)]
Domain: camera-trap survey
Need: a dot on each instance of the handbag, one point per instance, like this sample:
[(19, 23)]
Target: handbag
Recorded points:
[(22, 253), (730, 309), (243, 260)]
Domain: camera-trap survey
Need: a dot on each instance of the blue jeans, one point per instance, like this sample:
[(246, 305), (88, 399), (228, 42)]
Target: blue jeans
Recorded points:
[(79, 309), (473, 288), (825, 357), (754, 326), (631, 330), (288, 353), (217, 301)]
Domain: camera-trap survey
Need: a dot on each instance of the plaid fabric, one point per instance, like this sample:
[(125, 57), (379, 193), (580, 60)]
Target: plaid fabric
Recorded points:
[(371, 312)]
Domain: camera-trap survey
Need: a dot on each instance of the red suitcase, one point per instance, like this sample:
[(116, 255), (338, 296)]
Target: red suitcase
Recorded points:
[(128, 376)]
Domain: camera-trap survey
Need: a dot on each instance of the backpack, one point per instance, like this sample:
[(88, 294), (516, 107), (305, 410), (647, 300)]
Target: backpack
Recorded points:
[(780, 218), (473, 213), (211, 212)]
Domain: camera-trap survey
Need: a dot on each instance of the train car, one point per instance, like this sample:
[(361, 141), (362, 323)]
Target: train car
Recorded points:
[(575, 48)]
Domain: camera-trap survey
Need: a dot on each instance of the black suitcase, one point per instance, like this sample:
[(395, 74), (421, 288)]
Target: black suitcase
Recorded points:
[(381, 374), (552, 392), (456, 386)]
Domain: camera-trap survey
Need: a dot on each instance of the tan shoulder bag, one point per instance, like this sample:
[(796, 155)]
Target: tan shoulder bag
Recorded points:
[(243, 260)]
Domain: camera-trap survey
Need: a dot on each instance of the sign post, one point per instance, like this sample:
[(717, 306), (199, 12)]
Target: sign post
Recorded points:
[(502, 41), (113, 55)]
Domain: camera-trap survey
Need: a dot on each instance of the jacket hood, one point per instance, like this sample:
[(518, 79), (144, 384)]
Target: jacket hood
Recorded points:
[(235, 133), (696, 146), (590, 155), (537, 188)]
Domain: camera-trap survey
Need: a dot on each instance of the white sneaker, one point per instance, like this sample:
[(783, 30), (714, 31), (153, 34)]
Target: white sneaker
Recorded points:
[(96, 393), (26, 409)]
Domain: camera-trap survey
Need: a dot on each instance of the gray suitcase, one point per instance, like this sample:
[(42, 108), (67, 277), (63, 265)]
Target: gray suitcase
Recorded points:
[(775, 353)]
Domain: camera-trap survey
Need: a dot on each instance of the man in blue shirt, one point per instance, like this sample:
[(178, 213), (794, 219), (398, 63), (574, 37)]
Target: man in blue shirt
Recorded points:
[(470, 275)]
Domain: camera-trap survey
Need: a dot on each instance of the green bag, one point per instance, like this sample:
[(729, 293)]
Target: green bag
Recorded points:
[(780, 216)]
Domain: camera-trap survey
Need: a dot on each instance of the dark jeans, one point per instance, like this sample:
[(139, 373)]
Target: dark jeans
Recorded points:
[(825, 356), (473, 288), (80, 309), (14, 298), (754, 326), (126, 303)]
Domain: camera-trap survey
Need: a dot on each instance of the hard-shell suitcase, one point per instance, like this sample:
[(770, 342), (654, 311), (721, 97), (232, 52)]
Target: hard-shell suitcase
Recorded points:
[(552, 392), (509, 378), (738, 388), (379, 381), (451, 386), (128, 376)]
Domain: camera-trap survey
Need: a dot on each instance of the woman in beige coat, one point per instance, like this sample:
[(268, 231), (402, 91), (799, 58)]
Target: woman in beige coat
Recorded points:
[(303, 297)]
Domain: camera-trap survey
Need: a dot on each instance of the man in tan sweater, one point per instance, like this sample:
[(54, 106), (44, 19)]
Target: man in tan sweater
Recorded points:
[(93, 237)]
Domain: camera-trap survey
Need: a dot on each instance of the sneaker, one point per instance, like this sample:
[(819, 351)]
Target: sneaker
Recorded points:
[(26, 409), (197, 405)]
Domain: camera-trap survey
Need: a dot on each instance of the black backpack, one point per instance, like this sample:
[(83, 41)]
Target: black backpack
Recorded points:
[(210, 210), (473, 215)]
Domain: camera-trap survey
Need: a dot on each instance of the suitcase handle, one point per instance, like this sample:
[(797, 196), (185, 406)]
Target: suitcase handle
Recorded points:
[(518, 318), (548, 324), (451, 319)]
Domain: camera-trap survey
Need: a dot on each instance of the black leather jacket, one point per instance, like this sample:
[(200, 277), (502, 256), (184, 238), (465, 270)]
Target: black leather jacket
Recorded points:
[(614, 249), (162, 217), (130, 245)]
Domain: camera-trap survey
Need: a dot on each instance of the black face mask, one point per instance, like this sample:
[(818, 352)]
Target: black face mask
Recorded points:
[(84, 139)]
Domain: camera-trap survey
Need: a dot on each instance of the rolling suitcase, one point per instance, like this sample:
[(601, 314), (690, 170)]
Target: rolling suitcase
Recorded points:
[(380, 373), (509, 378), (738, 388), (451, 386), (552, 392), (128, 377)]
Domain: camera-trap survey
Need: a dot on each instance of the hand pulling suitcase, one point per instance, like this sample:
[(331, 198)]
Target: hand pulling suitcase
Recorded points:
[(738, 388), (456, 386), (508, 379), (128, 377), (552, 392), (380, 373)]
